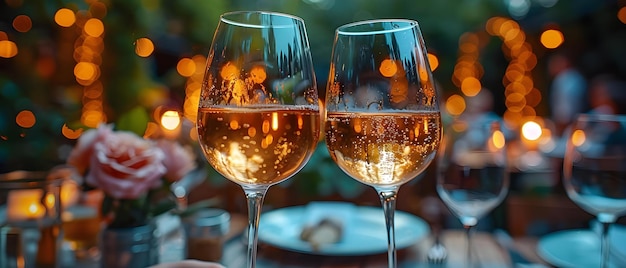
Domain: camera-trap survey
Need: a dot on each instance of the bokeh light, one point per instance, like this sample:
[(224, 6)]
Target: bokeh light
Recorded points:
[(470, 86), (94, 27), (65, 17), (388, 68), (170, 120), (22, 23), (8, 49), (531, 130), (70, 133), (455, 105), (85, 70), (552, 38), (578, 137), (144, 47), (621, 14), (186, 67), (433, 61), (25, 119)]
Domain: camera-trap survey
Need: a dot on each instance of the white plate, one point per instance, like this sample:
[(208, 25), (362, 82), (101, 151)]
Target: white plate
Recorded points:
[(364, 231), (578, 248)]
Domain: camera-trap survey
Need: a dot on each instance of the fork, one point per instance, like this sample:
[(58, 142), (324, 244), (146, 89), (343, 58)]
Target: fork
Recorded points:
[(437, 254)]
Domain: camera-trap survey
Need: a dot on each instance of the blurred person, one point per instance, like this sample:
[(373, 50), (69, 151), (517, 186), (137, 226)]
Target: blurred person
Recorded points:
[(568, 92), (479, 107), (479, 110), (607, 95)]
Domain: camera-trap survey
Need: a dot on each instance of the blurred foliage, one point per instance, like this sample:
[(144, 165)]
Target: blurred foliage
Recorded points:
[(134, 85)]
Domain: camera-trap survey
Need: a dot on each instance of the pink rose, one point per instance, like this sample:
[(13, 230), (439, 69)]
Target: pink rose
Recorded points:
[(81, 154), (178, 160), (124, 165)]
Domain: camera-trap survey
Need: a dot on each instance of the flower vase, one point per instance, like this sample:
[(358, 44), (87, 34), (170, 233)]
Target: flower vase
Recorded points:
[(129, 247)]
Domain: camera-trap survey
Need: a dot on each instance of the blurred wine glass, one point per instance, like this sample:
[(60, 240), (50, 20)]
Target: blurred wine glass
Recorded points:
[(472, 173), (594, 170), (258, 116), (383, 122)]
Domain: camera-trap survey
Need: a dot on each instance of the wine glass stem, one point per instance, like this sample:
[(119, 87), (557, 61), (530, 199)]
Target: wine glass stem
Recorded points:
[(388, 200), (255, 201), (604, 247), (468, 242)]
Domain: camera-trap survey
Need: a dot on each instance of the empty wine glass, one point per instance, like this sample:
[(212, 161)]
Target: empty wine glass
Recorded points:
[(594, 169), (383, 122), (258, 116), (472, 174)]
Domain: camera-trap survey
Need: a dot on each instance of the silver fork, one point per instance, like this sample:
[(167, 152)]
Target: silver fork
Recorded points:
[(437, 254)]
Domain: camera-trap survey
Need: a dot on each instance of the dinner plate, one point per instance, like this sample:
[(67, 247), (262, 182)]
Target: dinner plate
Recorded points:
[(579, 248), (364, 230)]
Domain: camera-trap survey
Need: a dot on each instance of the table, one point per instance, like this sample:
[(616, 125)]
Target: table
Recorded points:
[(489, 253)]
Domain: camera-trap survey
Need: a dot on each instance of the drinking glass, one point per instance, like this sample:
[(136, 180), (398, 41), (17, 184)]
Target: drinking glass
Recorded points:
[(383, 122), (594, 169), (258, 116), (472, 177)]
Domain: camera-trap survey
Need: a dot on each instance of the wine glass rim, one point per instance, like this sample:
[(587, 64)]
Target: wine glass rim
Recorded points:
[(225, 18), (408, 24)]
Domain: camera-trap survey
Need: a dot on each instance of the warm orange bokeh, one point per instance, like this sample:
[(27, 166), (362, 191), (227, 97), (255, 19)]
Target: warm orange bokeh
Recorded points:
[(25, 119), (65, 17), (8, 49), (22, 23), (144, 47), (94, 27), (552, 38), (186, 67)]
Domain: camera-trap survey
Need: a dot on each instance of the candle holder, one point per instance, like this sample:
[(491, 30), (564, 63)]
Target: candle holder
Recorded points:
[(30, 218)]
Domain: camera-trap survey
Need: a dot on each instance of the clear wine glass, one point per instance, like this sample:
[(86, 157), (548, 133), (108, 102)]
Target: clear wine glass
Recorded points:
[(383, 122), (472, 177), (594, 169), (258, 115)]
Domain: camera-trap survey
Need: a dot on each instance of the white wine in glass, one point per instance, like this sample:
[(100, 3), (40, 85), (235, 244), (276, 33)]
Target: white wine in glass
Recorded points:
[(383, 123), (594, 170), (472, 173), (258, 115)]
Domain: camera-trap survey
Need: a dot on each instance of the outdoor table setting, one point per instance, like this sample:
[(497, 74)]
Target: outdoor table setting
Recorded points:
[(365, 245), (123, 197)]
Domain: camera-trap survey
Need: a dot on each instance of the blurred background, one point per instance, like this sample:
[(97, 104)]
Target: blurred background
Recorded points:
[(67, 65)]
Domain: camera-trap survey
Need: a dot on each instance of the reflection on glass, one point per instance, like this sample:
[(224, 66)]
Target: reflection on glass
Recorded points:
[(472, 173), (594, 169), (258, 116), (382, 116)]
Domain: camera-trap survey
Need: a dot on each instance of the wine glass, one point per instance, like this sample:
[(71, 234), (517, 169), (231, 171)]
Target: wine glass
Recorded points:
[(594, 169), (383, 122), (258, 115), (472, 177)]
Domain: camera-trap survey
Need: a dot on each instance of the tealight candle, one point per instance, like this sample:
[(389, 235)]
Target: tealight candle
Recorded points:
[(25, 205)]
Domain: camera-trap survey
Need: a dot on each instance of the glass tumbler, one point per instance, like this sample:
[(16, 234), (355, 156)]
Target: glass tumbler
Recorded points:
[(30, 222), (205, 231)]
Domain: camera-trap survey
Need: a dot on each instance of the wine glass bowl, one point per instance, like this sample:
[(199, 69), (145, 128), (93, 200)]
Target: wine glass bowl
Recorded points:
[(472, 176), (258, 114), (383, 122), (594, 169)]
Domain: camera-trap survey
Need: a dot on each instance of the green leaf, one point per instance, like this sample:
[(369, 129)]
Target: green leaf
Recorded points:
[(135, 120)]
